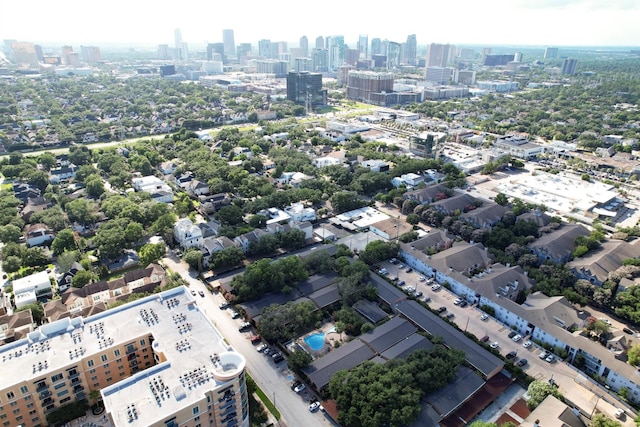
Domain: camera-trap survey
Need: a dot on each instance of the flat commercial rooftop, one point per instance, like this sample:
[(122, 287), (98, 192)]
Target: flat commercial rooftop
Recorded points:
[(562, 193)]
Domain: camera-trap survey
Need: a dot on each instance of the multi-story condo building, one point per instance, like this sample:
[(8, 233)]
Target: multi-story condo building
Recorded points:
[(569, 66), (320, 42), (158, 361), (551, 53), (410, 51), (264, 48), (438, 75), (363, 46), (394, 54), (319, 60), (336, 49), (376, 46), (439, 55), (361, 84), (493, 60), (304, 46), (90, 54)]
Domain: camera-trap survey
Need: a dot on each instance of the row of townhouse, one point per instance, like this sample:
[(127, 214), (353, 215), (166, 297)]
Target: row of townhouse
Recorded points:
[(205, 235), (470, 272)]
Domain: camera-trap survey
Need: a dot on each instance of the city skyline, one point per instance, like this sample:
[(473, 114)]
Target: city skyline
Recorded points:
[(550, 22)]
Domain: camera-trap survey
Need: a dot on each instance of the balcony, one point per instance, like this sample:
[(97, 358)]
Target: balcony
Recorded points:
[(81, 395), (75, 380), (47, 401), (41, 387), (73, 375), (45, 394), (78, 389)]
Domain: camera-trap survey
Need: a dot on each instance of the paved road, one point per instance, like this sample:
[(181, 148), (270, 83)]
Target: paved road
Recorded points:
[(273, 380)]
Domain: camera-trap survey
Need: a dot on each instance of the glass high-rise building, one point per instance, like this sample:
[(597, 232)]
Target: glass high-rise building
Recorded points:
[(229, 43)]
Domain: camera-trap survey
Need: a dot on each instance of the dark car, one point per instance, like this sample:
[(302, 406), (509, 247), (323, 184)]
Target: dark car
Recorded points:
[(409, 270), (279, 358), (627, 331), (463, 304), (512, 334), (442, 309), (522, 362), (511, 355), (485, 338)]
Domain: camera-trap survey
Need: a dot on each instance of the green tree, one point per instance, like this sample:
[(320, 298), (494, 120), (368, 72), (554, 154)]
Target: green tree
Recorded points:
[(193, 257), (228, 257), (151, 252), (501, 199), (231, 215), (82, 278), (480, 423), (413, 219), (134, 232), (66, 259), (344, 201), (633, 355), (34, 257), (64, 241), (11, 264), (298, 360), (94, 185), (601, 420), (539, 390), (10, 233), (81, 211)]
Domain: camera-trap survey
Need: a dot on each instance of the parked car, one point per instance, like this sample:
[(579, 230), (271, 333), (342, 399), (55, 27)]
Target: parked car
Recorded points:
[(279, 358), (544, 354), (244, 326), (450, 315), (457, 301), (422, 278), (401, 283), (400, 266), (627, 331), (383, 271), (409, 270), (225, 305), (463, 304), (393, 261), (201, 293), (417, 294), (426, 299), (255, 339), (484, 317), (268, 351), (314, 406), (522, 362), (550, 358), (193, 292), (411, 289), (442, 309), (485, 338), (299, 388), (494, 345), (527, 344), (619, 413), (435, 287), (512, 334), (511, 355), (235, 314), (295, 384), (261, 348), (516, 338)]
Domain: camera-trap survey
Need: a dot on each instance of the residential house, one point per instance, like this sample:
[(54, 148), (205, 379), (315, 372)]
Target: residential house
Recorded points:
[(245, 240), (149, 183), (275, 215), (390, 228), (128, 259), (375, 165), (162, 196), (596, 265), (293, 178), (24, 191), (408, 180), (306, 227), (211, 203), (485, 216), (461, 202), (299, 213), (64, 280), (428, 194), (239, 151), (321, 162), (213, 244), (16, 326), (56, 176), (541, 219), (187, 234), (168, 167), (38, 234), (197, 188), (558, 246), (184, 178), (28, 289), (33, 205), (210, 228)]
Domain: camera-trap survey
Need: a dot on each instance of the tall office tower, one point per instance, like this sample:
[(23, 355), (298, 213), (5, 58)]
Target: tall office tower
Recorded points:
[(304, 45), (306, 88), (466, 54), (363, 46), (90, 54), (493, 60), (361, 84), (302, 64), (264, 48), (24, 54), (320, 60), (551, 53), (66, 54), (410, 50), (517, 57), (569, 66), (376, 47), (351, 56), (320, 42), (439, 55), (394, 54), (40, 55), (244, 50), (336, 48), (438, 75), (158, 361), (163, 51), (485, 51), (213, 49), (281, 47), (177, 38), (229, 43)]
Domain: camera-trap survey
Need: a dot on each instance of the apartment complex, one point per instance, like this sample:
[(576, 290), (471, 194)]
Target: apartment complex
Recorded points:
[(157, 361), (361, 84)]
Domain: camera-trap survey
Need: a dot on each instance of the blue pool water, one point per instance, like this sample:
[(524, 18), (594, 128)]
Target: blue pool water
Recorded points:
[(315, 341)]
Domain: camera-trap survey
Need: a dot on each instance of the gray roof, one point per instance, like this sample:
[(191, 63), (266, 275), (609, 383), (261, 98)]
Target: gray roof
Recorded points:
[(347, 356), (387, 293), (605, 260), (457, 202), (560, 243), (388, 334), (487, 214), (461, 257), (317, 282), (446, 400), (540, 218), (326, 296), (484, 361), (425, 195), (370, 311), (406, 346)]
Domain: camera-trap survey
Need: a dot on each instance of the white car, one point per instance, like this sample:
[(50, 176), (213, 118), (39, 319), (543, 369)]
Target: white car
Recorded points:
[(494, 345), (299, 388), (314, 406), (517, 338), (422, 278), (527, 344), (484, 317), (435, 287), (550, 358), (261, 348), (619, 413)]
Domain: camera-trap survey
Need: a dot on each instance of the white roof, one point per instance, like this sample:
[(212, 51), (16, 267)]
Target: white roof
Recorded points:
[(30, 283)]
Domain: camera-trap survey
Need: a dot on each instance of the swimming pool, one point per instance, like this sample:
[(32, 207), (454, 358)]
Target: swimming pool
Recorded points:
[(315, 341)]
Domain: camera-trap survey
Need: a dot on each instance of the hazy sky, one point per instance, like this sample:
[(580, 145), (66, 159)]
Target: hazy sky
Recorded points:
[(489, 22)]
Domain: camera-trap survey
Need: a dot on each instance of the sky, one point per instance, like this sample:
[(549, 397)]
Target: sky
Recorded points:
[(460, 22)]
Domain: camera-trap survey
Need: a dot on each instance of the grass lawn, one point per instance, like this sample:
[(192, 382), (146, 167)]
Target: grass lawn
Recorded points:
[(6, 187), (265, 400)]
